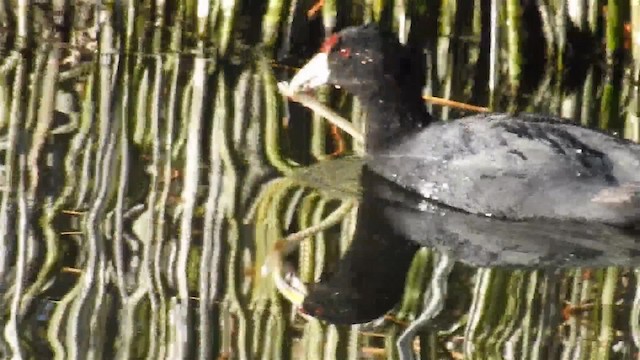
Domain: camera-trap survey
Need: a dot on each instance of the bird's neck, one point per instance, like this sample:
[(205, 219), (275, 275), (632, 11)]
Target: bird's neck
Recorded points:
[(392, 113)]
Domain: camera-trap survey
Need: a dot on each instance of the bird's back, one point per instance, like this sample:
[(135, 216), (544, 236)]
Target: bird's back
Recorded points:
[(519, 168)]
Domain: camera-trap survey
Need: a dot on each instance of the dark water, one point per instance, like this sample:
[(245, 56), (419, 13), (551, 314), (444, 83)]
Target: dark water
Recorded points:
[(142, 193)]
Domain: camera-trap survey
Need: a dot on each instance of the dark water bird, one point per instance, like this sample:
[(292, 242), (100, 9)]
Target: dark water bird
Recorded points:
[(504, 166)]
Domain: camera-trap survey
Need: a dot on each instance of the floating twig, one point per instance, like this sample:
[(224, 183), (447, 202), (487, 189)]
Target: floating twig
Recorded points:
[(455, 104), (315, 8)]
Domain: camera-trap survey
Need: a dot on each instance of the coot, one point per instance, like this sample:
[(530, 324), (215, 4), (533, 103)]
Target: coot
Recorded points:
[(513, 167)]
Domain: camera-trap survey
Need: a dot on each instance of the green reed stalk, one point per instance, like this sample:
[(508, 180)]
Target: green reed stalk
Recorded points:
[(130, 302), (606, 336), (91, 292), (594, 9), (588, 100), (353, 343), (59, 10), (377, 7), (497, 302), (630, 97), (444, 57), (140, 130), (231, 304), (319, 241), (576, 289), (331, 342), (12, 173), (275, 346), (210, 263), (610, 101), (561, 26), (494, 50), (39, 62), (632, 123), (635, 37), (400, 22), (434, 303), (634, 318), (614, 28), (514, 40), (477, 309), (307, 254), (14, 121), (22, 23), (228, 12), (579, 14), (160, 186), (542, 328), (128, 33), (271, 22), (4, 101), (313, 338), (513, 310), (319, 128), (446, 20), (73, 182), (585, 329), (44, 121), (548, 28), (415, 284), (272, 113), (202, 15), (329, 16), (191, 178), (391, 339), (4, 15), (530, 313)]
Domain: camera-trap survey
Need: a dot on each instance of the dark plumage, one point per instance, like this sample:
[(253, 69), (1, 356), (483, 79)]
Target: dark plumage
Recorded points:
[(513, 167)]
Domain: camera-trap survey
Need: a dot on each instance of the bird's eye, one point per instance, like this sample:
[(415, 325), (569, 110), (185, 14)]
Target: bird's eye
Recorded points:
[(345, 52)]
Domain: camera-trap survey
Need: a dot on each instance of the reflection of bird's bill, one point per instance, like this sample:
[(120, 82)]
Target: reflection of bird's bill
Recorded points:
[(287, 282)]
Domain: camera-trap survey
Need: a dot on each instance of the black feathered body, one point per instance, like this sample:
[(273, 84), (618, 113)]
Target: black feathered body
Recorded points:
[(518, 167)]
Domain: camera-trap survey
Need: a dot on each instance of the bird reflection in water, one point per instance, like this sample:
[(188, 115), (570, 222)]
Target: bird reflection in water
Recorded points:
[(392, 224)]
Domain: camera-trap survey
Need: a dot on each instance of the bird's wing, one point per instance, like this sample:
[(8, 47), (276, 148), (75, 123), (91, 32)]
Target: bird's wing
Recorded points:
[(520, 168)]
